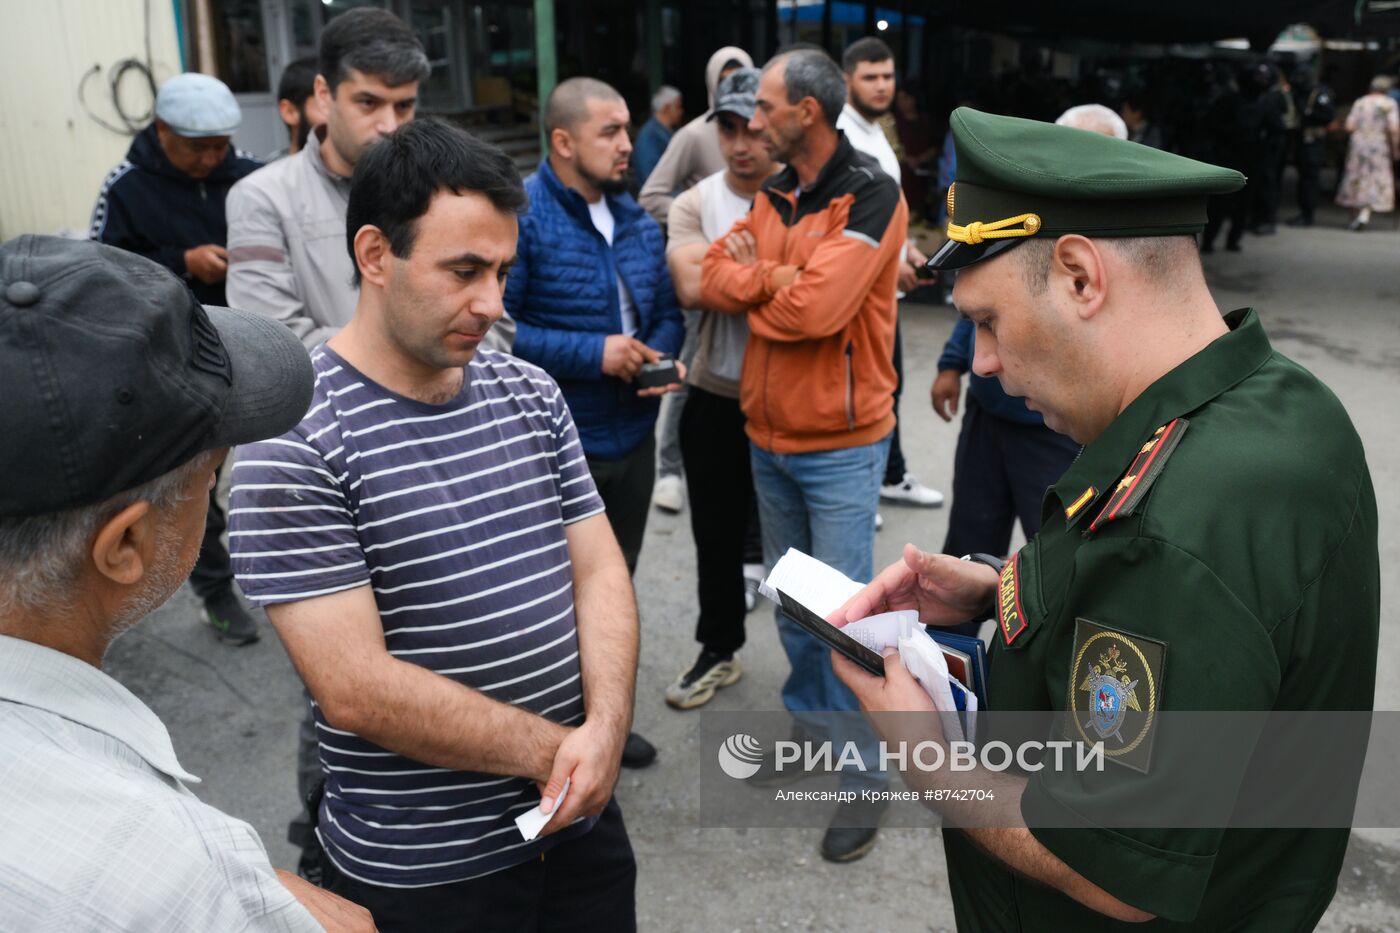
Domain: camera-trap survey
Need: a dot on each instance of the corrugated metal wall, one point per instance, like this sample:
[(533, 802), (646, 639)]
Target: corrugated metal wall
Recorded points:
[(53, 156)]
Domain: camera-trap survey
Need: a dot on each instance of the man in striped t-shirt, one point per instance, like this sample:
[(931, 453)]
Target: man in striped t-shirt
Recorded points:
[(432, 551)]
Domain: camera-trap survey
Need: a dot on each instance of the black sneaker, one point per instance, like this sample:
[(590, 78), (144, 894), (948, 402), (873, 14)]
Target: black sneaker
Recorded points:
[(230, 621), (697, 686), (637, 752), (852, 832), (310, 866)]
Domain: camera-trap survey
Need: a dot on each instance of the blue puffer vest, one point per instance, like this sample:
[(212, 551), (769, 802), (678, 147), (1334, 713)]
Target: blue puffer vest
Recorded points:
[(562, 293)]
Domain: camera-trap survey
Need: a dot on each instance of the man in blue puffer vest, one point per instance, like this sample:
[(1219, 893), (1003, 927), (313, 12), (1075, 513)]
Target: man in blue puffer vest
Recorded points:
[(592, 300)]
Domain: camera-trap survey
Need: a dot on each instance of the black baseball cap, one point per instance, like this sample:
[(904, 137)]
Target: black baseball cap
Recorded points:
[(112, 374)]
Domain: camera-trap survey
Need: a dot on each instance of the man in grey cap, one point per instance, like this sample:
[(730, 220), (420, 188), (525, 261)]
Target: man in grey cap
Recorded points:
[(166, 202), (123, 395), (714, 448)]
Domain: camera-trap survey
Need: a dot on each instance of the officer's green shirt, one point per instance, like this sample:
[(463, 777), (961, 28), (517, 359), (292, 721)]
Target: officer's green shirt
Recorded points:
[(1243, 576)]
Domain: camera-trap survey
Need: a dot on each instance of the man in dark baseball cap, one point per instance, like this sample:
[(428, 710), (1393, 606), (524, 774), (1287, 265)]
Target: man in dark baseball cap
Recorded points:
[(122, 395)]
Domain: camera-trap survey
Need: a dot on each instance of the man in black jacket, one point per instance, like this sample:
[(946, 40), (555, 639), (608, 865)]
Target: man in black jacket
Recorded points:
[(1319, 107), (166, 202)]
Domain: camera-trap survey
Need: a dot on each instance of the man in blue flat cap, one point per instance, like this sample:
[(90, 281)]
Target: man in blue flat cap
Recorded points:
[(166, 202)]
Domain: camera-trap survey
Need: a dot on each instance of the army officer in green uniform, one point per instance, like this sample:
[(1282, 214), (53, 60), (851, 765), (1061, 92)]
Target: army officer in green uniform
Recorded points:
[(1212, 548)]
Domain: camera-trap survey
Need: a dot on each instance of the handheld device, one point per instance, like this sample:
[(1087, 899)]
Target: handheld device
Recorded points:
[(661, 373)]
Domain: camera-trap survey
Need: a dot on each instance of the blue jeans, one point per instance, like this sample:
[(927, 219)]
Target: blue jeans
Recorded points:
[(824, 504)]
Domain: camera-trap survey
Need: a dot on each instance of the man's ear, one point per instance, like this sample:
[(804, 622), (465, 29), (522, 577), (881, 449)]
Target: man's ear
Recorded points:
[(321, 88), (1077, 270), (562, 142), (288, 112), (808, 109), (372, 254), (123, 548)]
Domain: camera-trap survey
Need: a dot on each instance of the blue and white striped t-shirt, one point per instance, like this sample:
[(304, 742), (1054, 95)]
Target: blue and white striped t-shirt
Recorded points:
[(455, 515)]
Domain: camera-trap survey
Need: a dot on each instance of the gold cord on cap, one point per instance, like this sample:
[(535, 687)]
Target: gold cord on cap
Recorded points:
[(977, 231)]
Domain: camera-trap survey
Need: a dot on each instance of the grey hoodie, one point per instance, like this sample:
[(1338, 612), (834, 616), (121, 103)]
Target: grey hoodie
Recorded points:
[(693, 152)]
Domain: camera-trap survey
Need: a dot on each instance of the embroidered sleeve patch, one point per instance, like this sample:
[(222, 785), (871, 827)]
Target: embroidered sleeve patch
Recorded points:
[(1115, 690), (1009, 614)]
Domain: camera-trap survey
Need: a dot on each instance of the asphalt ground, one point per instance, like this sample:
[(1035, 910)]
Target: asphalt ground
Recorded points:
[(1328, 298)]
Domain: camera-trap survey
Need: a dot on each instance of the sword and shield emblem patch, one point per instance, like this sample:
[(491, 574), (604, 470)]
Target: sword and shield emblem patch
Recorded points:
[(1115, 687)]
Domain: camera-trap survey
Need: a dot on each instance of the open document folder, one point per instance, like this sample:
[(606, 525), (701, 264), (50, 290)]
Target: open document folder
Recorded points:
[(810, 591)]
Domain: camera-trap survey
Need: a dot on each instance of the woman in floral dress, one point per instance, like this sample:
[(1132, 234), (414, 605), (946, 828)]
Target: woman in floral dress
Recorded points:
[(1368, 183)]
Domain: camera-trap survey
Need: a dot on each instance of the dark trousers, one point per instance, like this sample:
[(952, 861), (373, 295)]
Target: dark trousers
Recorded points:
[(1233, 207), (584, 884), (1000, 473), (1310, 159), (301, 830), (625, 485), (718, 476), (895, 465), (213, 572), (1267, 183)]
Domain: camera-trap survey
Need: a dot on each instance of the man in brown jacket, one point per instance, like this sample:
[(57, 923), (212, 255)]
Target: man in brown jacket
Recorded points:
[(813, 268)]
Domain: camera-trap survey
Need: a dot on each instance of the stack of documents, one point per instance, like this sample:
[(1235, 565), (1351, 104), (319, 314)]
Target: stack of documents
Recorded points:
[(950, 668)]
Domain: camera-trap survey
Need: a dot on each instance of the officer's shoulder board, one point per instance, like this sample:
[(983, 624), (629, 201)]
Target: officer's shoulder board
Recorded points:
[(1151, 459)]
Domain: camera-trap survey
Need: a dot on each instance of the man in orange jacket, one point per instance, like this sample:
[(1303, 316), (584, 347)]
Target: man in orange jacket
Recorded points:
[(813, 266)]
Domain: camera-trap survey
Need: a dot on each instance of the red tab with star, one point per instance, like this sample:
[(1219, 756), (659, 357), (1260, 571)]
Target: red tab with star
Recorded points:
[(1147, 466)]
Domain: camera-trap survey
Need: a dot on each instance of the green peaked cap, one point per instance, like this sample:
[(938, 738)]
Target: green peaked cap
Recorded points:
[(1018, 179)]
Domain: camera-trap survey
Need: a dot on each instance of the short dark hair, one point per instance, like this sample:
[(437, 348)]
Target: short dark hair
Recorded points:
[(298, 81), (397, 177), (869, 49), (809, 73), (372, 42), (567, 104)]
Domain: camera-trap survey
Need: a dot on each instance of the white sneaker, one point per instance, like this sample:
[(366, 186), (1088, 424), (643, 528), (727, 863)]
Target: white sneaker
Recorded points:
[(753, 576), (879, 521), (911, 492), (668, 494)]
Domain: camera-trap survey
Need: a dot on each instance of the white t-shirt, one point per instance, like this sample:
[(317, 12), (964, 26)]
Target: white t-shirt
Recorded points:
[(603, 220), (869, 137)]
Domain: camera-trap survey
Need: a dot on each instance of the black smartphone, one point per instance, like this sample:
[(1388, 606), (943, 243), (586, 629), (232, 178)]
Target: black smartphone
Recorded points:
[(831, 635), (661, 373)]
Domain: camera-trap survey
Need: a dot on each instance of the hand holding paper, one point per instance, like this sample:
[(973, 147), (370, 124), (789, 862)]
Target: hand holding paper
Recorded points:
[(943, 590), (532, 821), (822, 589)]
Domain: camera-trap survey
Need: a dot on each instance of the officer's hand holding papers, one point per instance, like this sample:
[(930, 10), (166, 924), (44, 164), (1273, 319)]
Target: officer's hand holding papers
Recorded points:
[(943, 590), (811, 592), (939, 590)]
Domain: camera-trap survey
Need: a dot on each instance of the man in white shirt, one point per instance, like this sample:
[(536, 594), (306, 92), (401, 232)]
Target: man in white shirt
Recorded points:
[(870, 84), (123, 396)]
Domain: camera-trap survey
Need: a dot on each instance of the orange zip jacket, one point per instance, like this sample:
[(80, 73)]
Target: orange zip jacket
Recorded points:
[(818, 370)]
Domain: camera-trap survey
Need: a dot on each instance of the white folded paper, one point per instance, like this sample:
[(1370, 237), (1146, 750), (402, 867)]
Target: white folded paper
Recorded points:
[(824, 589), (532, 821)]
